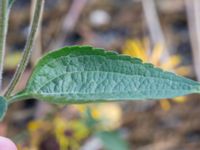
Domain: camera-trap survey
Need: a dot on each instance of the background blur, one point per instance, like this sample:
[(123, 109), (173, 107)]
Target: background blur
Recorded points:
[(163, 32)]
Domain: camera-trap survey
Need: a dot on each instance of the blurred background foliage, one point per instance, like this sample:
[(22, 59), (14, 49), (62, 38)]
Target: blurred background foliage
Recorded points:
[(162, 32)]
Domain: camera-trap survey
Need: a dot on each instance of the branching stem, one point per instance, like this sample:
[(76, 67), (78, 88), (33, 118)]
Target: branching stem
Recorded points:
[(3, 32), (28, 47)]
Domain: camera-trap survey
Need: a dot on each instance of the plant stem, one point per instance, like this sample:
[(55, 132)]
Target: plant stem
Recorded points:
[(192, 9), (3, 32), (19, 97), (28, 47)]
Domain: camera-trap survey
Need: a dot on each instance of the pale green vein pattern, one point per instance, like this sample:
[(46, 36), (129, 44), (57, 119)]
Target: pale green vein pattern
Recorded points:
[(83, 74)]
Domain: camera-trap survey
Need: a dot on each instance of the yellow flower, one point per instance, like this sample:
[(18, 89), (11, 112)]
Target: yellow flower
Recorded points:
[(69, 133), (139, 49), (37, 128), (108, 114), (12, 59)]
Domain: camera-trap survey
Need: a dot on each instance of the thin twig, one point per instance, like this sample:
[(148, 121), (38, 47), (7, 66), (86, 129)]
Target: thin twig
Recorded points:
[(3, 32), (37, 47), (69, 22), (28, 47), (192, 7)]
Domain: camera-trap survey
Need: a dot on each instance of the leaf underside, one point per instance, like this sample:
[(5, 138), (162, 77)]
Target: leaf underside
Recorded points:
[(80, 74)]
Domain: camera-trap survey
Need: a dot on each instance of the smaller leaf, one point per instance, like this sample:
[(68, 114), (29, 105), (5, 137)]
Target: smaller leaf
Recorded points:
[(3, 107), (112, 140)]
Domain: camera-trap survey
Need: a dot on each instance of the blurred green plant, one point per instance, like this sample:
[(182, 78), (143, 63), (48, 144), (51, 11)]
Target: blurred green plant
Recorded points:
[(70, 133)]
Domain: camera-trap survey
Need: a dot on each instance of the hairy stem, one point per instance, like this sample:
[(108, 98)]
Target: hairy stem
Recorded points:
[(3, 32), (28, 47)]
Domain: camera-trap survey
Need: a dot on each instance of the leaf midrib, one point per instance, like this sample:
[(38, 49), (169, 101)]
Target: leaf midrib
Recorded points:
[(54, 60), (102, 72), (53, 94)]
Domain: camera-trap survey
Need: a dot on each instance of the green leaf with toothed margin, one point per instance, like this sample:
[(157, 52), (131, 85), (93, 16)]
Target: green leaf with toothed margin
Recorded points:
[(3, 107), (80, 74)]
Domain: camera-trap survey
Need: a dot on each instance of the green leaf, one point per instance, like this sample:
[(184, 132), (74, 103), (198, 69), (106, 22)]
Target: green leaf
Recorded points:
[(3, 107), (80, 74), (112, 140)]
